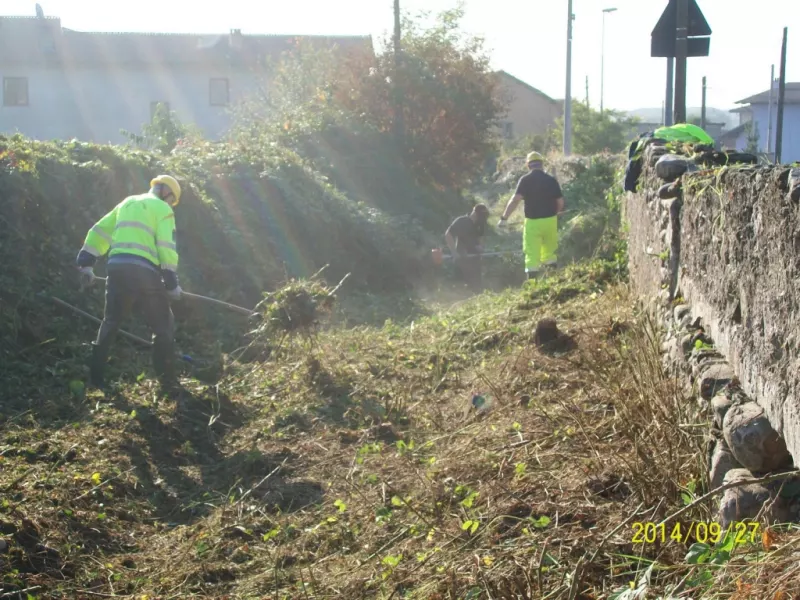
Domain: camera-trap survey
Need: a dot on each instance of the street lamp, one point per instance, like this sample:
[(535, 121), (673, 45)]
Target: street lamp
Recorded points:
[(602, 57)]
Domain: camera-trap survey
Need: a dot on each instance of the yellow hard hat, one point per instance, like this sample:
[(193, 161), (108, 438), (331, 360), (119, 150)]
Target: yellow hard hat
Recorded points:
[(172, 184), (534, 157)]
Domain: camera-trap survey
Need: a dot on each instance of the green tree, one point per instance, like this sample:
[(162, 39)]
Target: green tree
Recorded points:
[(163, 132), (450, 104), (753, 137), (593, 132)]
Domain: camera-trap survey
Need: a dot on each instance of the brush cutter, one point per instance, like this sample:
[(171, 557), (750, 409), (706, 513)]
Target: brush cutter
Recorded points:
[(438, 257)]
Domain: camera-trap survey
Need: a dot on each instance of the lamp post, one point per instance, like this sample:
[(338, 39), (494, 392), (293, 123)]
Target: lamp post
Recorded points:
[(568, 94), (603, 57)]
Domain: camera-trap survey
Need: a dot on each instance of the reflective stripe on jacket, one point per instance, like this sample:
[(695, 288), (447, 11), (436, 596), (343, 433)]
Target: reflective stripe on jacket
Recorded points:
[(142, 225)]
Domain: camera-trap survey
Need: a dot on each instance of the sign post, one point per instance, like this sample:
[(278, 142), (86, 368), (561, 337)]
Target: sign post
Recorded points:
[(681, 32)]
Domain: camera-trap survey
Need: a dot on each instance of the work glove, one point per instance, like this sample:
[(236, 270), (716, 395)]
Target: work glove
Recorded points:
[(175, 294), (86, 276)]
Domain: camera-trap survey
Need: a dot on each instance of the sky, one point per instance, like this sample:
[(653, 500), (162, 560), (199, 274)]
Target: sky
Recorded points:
[(526, 38)]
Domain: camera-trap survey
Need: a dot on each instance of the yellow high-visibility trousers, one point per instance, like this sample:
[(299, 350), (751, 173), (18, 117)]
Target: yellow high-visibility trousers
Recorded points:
[(540, 243)]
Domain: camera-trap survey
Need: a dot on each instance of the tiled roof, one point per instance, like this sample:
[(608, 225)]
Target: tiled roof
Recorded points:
[(30, 40), (502, 73), (792, 95)]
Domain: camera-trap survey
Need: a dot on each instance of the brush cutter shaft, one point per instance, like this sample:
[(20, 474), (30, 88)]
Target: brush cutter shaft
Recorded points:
[(450, 256)]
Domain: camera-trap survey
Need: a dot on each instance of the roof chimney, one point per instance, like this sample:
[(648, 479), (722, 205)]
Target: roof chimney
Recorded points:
[(235, 39)]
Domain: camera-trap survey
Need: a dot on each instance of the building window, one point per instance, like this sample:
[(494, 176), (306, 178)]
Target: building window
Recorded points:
[(219, 92), (15, 91), (154, 107), (508, 130)]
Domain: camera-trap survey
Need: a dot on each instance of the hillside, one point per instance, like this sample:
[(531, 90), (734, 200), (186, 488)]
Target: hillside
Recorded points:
[(418, 444)]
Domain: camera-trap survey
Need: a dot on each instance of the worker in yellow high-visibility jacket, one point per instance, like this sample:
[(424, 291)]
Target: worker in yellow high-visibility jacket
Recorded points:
[(139, 237), (544, 201)]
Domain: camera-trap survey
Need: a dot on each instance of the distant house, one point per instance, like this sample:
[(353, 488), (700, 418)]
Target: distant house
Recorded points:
[(754, 120), (530, 111), (63, 84)]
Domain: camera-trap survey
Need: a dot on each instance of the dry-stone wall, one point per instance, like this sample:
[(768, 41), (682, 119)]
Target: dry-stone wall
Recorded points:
[(717, 254)]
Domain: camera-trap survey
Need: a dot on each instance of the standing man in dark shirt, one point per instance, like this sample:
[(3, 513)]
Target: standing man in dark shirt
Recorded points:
[(463, 239), (543, 203)]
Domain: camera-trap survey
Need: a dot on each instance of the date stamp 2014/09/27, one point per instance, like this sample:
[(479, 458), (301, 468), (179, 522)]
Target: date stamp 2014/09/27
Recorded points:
[(700, 531)]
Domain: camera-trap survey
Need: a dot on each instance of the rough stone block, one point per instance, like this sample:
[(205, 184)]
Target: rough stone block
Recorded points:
[(687, 342), (794, 185), (670, 167), (681, 311), (722, 462), (741, 502), (714, 378), (752, 440), (720, 405), (654, 152), (669, 191)]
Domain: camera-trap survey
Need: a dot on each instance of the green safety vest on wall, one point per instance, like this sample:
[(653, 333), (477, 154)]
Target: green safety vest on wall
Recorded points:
[(143, 226), (684, 133)]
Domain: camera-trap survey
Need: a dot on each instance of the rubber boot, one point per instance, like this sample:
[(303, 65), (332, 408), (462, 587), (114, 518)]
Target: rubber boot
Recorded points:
[(164, 364), (533, 275), (97, 365)]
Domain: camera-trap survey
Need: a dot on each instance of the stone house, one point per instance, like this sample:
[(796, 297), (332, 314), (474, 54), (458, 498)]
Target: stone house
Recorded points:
[(530, 111), (64, 84)]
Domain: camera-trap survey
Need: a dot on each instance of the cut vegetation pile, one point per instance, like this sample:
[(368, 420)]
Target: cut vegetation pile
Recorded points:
[(359, 467)]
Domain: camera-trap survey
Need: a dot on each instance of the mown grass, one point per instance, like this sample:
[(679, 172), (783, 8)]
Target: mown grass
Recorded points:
[(354, 465)]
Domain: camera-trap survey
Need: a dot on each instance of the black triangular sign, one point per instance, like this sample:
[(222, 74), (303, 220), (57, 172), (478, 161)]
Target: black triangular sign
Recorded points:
[(667, 24)]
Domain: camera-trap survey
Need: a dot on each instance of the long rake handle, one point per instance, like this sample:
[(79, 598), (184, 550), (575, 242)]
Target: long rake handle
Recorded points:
[(239, 309), (75, 309)]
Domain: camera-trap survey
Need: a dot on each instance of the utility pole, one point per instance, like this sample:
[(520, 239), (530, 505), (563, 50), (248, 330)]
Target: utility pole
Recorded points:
[(781, 99), (668, 106), (568, 94), (769, 109), (587, 90), (681, 52), (603, 58), (399, 125), (703, 106)]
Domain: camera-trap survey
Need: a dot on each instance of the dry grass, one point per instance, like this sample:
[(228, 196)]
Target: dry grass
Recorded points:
[(359, 469)]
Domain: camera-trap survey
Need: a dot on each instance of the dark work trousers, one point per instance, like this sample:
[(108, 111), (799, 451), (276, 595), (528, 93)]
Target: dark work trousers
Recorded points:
[(129, 286), (470, 269)]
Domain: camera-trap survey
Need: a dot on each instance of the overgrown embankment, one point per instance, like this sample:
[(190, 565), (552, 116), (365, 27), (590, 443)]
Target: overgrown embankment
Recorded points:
[(245, 224)]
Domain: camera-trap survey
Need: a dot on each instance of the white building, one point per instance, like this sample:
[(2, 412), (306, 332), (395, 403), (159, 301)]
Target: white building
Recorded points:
[(63, 84)]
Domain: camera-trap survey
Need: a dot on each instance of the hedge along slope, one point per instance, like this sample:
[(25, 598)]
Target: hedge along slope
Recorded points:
[(244, 225)]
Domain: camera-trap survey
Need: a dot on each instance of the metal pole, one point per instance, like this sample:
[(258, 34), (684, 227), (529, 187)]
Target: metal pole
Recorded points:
[(603, 58), (587, 90), (603, 63), (703, 107), (398, 94), (670, 92), (681, 50), (568, 93), (769, 109), (781, 99)]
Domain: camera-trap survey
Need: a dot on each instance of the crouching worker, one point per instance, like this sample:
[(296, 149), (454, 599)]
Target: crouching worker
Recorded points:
[(463, 238), (543, 203), (139, 237)]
